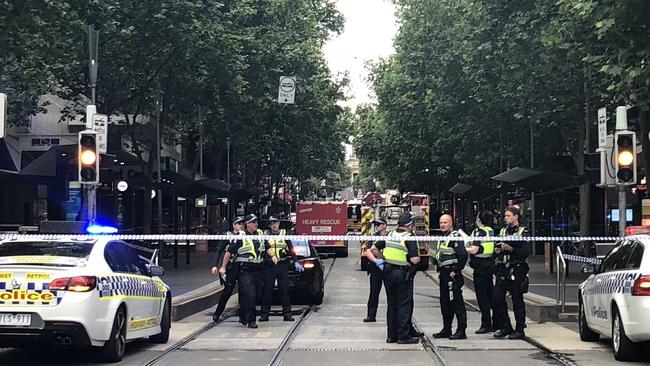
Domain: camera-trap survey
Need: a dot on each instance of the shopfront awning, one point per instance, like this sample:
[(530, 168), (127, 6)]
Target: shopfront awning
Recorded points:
[(460, 188), (537, 180), (46, 164)]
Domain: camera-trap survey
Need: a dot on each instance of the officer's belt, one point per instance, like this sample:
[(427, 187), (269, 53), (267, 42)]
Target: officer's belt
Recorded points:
[(248, 260), (448, 263)]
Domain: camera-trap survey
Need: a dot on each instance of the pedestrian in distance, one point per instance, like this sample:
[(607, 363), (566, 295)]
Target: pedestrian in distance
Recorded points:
[(511, 277), (283, 251), (482, 262), (231, 270), (248, 252), (375, 274), (451, 258), (399, 254)]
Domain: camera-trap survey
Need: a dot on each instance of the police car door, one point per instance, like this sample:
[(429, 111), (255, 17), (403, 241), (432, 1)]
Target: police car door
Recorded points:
[(124, 283), (608, 283)]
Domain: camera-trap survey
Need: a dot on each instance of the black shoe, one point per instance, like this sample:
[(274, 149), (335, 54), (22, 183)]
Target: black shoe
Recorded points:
[(243, 322), (264, 318), (370, 320), (484, 330), (215, 317), (518, 334), (460, 334), (408, 341), (416, 334), (501, 333), (288, 318), (442, 334), (391, 340), (252, 325)]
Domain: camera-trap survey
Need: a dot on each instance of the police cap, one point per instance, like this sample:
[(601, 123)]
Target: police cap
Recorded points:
[(250, 218)]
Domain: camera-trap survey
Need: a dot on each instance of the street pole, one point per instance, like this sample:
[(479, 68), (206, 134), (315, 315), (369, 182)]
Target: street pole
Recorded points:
[(200, 144), (158, 170), (622, 210), (90, 190), (228, 178), (532, 194)]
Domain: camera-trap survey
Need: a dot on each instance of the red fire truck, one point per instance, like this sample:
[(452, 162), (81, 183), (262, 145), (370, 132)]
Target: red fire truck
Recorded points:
[(324, 218)]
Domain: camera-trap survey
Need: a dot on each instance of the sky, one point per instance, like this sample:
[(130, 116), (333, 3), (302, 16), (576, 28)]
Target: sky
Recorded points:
[(370, 26)]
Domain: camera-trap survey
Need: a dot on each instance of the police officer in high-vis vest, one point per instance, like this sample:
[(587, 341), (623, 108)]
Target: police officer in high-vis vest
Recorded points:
[(283, 250), (399, 255), (451, 258), (249, 252), (511, 276), (482, 262), (230, 269), (376, 275)]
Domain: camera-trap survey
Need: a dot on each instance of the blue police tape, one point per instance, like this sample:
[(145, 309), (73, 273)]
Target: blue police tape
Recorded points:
[(577, 258), (210, 237)]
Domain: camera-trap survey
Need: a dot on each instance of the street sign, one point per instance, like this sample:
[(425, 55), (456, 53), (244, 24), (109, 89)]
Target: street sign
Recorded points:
[(602, 127), (100, 125), (287, 90)]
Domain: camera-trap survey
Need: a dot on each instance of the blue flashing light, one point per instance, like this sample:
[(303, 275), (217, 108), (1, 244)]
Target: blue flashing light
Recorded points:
[(101, 229)]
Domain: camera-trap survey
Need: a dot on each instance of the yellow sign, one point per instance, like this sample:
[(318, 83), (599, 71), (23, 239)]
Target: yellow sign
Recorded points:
[(6, 275), (24, 295), (38, 276), (142, 323)]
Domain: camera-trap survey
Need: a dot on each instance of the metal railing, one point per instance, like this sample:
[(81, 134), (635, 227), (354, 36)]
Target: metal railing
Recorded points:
[(560, 280)]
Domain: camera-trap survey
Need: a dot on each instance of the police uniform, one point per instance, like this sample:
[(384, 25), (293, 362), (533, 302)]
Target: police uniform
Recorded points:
[(249, 255), (376, 280), (483, 265), (232, 274), (511, 276), (452, 257), (284, 252), (396, 253)]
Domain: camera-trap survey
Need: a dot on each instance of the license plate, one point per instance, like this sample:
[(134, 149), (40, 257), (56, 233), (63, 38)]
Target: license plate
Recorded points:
[(15, 319)]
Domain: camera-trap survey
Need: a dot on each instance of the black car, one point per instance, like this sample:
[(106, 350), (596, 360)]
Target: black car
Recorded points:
[(306, 287)]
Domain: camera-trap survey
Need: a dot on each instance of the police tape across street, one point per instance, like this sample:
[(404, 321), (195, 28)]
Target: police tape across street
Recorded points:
[(186, 237)]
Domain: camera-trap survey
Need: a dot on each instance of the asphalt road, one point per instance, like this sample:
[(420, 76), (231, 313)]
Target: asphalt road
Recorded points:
[(333, 334)]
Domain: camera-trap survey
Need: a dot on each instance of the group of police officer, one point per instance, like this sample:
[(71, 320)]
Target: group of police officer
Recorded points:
[(395, 264), (256, 264)]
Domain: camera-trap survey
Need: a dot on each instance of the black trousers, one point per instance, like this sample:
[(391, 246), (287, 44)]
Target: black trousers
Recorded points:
[(450, 307), (399, 303), (376, 279), (505, 284), (232, 274), (484, 288), (250, 289), (411, 280), (281, 273)]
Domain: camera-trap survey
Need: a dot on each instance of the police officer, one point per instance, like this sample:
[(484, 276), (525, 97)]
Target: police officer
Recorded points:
[(376, 277), (511, 276), (451, 258), (248, 252), (283, 250), (231, 271), (482, 261), (399, 255)]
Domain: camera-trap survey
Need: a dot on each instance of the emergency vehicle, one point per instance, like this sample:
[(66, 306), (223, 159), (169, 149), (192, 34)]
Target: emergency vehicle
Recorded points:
[(81, 293), (615, 300), (390, 211), (324, 218)]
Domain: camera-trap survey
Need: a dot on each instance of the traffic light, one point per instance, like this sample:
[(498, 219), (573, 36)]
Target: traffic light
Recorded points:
[(625, 157), (88, 158)]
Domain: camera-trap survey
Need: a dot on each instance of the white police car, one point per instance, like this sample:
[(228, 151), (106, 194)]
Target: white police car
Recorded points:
[(81, 293), (615, 300)]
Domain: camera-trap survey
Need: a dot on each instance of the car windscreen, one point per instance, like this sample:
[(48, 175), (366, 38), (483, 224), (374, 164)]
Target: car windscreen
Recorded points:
[(45, 252), (301, 248)]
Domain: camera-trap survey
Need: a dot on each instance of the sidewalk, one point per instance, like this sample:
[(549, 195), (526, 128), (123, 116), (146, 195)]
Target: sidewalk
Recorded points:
[(186, 278), (543, 283)]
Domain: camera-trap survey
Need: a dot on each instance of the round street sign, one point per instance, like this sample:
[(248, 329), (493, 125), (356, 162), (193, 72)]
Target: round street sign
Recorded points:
[(122, 186), (287, 84)]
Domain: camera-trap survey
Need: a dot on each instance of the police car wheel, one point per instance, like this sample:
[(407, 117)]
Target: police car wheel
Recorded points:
[(113, 349), (586, 334), (165, 325), (624, 348)]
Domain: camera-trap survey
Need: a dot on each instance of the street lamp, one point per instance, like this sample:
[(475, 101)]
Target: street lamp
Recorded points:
[(228, 177), (93, 63)]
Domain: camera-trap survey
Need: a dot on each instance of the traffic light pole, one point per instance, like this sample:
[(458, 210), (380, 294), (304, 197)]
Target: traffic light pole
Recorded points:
[(622, 210), (90, 196)]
